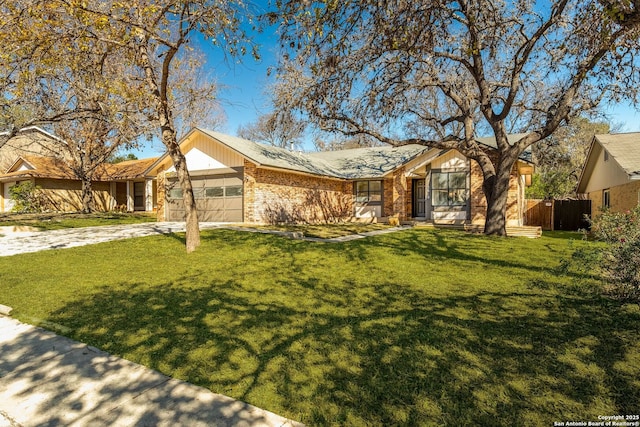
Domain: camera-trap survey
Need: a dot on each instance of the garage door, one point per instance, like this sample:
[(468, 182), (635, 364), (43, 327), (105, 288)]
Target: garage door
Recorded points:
[(218, 198)]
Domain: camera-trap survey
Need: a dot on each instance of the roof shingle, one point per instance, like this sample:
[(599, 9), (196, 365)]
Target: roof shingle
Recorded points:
[(358, 163), (48, 167), (625, 149)]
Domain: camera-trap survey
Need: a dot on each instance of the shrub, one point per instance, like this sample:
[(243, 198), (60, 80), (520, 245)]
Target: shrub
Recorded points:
[(27, 198), (620, 259)]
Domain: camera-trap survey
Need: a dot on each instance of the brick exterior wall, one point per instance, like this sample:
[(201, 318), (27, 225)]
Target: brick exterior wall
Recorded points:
[(479, 202), (275, 196), (621, 198), (409, 198), (400, 194), (272, 196), (596, 202), (387, 197), (395, 192), (477, 199), (250, 207)]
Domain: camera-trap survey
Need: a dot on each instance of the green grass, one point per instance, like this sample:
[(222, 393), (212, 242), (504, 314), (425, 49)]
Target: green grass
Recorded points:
[(420, 327), (326, 231), (57, 221)]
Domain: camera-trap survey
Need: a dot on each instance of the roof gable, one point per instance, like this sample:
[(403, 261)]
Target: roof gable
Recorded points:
[(32, 141), (269, 156), (622, 152), (625, 150), (40, 167), (20, 164)]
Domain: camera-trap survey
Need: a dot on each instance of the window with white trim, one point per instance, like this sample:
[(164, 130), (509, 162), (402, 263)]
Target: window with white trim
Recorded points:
[(449, 188), (368, 192)]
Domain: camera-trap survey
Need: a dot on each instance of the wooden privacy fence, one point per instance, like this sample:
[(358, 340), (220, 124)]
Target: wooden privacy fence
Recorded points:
[(568, 215), (540, 213)]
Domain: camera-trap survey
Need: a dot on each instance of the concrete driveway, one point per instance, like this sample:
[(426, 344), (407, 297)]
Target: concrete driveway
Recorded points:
[(24, 242)]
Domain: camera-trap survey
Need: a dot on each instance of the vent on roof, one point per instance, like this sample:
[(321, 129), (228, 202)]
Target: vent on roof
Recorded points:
[(606, 156)]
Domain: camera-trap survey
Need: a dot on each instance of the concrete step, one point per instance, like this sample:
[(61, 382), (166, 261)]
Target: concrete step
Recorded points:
[(525, 231)]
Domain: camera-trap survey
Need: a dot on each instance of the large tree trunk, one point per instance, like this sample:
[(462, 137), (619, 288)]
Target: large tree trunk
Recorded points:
[(169, 139), (88, 203), (496, 190)]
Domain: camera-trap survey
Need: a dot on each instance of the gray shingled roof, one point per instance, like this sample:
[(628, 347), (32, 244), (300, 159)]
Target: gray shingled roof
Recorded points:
[(359, 163), (370, 162), (625, 149), (490, 141)]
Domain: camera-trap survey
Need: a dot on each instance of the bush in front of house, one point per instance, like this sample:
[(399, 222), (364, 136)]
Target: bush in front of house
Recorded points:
[(27, 198), (620, 258)]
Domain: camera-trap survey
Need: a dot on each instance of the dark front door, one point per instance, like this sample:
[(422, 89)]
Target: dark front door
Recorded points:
[(419, 198)]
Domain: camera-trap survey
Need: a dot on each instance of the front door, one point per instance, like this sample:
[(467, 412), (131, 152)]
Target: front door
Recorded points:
[(419, 198)]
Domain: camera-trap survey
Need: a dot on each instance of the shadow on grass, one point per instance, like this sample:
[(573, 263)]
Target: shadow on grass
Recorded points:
[(50, 380), (386, 355), (452, 245)]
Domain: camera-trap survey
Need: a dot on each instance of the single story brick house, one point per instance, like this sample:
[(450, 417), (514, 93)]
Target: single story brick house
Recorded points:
[(236, 180), (611, 174)]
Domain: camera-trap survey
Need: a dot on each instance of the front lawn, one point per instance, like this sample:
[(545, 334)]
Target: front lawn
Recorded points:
[(419, 327), (57, 221)]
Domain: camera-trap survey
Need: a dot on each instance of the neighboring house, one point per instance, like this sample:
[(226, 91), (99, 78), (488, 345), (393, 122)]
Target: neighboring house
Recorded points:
[(116, 186), (31, 141), (611, 174), (29, 156), (236, 180)]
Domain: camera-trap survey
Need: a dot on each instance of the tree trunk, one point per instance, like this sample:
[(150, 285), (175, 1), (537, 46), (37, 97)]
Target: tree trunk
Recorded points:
[(496, 190), (188, 198), (169, 139), (88, 205)]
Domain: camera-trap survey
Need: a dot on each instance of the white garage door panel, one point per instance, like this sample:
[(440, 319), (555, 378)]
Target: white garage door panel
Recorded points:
[(218, 199)]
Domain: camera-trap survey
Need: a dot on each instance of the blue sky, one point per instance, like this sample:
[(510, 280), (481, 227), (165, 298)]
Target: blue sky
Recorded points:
[(243, 96)]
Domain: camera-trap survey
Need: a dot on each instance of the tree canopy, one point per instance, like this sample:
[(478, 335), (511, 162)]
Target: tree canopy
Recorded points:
[(278, 128), (443, 73)]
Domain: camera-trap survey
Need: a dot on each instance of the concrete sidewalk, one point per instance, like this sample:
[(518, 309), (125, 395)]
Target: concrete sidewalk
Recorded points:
[(20, 243), (49, 380)]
